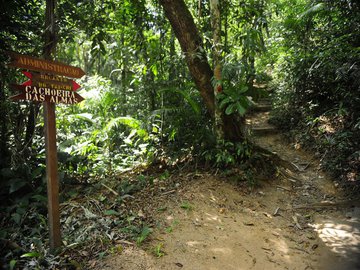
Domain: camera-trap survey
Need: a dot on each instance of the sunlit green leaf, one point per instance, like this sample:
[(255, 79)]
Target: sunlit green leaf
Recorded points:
[(31, 255)]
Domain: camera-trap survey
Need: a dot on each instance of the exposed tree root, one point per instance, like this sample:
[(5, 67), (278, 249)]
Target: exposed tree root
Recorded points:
[(326, 204), (275, 159)]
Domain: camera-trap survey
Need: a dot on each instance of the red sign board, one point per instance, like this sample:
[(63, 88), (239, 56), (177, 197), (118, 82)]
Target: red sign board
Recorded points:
[(41, 94), (50, 81), (44, 66)]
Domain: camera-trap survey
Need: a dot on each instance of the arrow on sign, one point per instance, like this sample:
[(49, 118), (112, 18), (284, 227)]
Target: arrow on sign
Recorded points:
[(41, 94), (75, 85), (45, 66), (50, 81)]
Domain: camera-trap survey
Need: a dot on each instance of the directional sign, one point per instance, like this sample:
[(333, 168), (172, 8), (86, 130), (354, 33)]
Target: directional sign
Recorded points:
[(48, 89), (45, 66), (41, 94), (50, 81)]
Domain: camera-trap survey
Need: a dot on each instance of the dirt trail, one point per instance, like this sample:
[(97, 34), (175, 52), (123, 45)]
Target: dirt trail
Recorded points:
[(297, 221)]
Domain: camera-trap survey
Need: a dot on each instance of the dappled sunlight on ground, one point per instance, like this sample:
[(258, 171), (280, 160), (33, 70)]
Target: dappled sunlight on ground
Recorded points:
[(280, 245), (193, 243), (222, 250), (212, 217), (170, 217), (340, 238)]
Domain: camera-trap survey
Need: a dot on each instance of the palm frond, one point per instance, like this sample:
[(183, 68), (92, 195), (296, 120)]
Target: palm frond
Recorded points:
[(195, 106)]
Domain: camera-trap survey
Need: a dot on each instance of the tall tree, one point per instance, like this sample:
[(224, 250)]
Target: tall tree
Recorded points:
[(216, 28), (191, 44)]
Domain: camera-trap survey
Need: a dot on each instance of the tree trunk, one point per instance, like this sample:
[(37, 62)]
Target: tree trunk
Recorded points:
[(192, 46), (216, 28), (4, 151)]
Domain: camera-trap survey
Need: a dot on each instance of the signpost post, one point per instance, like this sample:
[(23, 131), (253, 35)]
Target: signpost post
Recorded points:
[(49, 84), (50, 136), (50, 87)]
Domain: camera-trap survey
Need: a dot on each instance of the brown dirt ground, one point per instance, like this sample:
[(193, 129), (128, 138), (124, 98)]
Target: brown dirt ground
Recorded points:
[(297, 221)]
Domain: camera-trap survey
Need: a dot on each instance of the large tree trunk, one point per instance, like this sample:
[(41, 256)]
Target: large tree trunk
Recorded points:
[(192, 46)]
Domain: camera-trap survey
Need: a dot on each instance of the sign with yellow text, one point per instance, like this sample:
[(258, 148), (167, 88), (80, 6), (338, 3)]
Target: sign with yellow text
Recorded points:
[(41, 94), (51, 81), (44, 66)]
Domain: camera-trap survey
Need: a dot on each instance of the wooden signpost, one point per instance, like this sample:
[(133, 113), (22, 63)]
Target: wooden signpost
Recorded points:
[(44, 66), (50, 87), (51, 81), (43, 93)]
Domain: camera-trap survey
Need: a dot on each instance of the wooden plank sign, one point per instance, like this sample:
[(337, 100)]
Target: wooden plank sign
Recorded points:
[(41, 94), (48, 87), (44, 66), (50, 81)]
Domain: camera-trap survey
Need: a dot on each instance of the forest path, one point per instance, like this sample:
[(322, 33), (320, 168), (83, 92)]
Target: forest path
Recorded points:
[(297, 221)]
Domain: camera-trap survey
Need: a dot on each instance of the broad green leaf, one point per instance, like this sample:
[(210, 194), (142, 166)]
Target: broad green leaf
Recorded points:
[(31, 255), (186, 96), (17, 184), (85, 117), (16, 217), (240, 109), (39, 198), (224, 102), (12, 264), (154, 69), (313, 10), (230, 109), (244, 102), (111, 213), (243, 89)]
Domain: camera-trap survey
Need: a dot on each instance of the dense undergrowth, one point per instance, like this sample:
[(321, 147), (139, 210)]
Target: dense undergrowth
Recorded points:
[(99, 152), (317, 86), (101, 215), (98, 218)]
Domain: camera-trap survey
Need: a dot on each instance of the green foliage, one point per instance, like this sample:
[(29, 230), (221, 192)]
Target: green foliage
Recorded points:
[(227, 154), (187, 206), (316, 87), (194, 105), (170, 229), (140, 105), (108, 143), (12, 264), (158, 250), (234, 101), (145, 232)]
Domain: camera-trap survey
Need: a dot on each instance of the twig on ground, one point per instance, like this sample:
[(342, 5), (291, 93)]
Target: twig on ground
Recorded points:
[(168, 192), (110, 189), (284, 188)]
